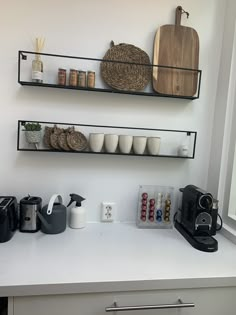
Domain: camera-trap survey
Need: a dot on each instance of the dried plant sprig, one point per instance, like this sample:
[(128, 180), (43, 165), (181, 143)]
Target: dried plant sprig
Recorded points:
[(39, 44)]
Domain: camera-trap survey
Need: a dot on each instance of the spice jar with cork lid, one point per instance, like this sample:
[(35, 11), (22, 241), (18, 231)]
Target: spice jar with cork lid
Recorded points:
[(61, 76), (91, 79), (82, 78), (73, 77)]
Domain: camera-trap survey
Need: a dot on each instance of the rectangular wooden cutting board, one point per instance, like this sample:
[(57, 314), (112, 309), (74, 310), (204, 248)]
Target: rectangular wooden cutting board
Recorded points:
[(176, 46)]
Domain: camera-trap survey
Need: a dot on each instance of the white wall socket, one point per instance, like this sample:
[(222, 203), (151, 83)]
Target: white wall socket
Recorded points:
[(107, 211)]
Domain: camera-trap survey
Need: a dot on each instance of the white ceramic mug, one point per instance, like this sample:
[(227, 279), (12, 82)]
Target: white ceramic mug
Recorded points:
[(139, 144), (96, 141), (125, 143), (153, 145), (111, 142)]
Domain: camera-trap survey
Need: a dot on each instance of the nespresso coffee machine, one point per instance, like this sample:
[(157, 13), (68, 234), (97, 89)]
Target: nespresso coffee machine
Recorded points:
[(196, 218)]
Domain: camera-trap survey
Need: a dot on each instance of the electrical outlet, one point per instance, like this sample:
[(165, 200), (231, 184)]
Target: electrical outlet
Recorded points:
[(108, 211)]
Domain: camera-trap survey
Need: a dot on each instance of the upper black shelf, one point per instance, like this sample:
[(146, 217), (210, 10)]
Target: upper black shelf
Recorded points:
[(22, 55)]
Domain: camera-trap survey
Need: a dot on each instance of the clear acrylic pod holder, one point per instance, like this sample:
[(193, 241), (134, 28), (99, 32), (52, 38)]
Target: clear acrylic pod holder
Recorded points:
[(155, 207)]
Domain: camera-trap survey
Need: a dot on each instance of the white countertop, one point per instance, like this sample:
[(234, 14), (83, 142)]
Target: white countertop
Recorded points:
[(107, 257)]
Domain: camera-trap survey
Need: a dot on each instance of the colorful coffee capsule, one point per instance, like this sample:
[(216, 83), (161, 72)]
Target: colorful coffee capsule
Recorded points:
[(144, 208), (167, 208), (143, 218), (144, 202), (168, 202), (152, 201), (167, 219), (158, 204), (143, 213), (151, 208), (151, 213), (144, 196)]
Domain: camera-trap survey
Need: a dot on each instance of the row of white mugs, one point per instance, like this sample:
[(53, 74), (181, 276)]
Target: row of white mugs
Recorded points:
[(125, 143)]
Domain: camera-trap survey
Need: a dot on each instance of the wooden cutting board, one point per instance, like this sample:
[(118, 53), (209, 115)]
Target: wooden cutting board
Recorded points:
[(176, 46)]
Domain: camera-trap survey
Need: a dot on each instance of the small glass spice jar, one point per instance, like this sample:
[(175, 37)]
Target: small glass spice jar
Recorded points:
[(61, 76), (73, 77), (82, 78), (91, 79)]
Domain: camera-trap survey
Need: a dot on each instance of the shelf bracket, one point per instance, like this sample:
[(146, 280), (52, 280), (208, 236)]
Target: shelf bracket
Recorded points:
[(23, 57)]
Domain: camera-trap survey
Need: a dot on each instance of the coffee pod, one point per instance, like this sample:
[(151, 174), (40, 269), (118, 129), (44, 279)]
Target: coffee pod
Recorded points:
[(167, 219), (143, 218), (151, 218)]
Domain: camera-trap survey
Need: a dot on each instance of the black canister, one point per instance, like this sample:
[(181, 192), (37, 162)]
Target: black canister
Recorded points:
[(29, 207)]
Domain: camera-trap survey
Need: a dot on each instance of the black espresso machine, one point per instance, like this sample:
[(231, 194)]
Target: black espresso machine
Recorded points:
[(196, 218)]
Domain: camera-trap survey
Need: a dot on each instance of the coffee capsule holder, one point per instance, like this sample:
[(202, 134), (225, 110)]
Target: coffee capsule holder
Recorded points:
[(155, 207)]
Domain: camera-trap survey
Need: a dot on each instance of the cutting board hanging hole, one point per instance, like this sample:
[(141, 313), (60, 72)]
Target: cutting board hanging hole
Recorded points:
[(178, 14)]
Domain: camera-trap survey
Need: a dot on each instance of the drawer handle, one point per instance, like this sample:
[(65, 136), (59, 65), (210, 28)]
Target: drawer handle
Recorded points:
[(116, 308)]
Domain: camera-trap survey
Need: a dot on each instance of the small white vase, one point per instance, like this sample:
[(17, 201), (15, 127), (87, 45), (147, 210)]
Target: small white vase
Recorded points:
[(139, 144), (111, 142), (153, 145), (96, 141), (183, 150), (125, 143)]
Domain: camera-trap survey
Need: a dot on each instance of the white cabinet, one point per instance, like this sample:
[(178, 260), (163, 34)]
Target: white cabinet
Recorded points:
[(215, 301)]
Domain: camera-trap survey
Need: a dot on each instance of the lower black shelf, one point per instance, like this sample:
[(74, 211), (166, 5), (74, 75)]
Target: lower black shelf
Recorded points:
[(58, 137), (106, 153)]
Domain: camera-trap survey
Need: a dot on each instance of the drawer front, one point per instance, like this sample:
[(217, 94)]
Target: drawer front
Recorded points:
[(216, 301)]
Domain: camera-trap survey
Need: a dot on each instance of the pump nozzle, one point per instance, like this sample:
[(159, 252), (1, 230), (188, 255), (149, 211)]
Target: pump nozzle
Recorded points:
[(75, 198)]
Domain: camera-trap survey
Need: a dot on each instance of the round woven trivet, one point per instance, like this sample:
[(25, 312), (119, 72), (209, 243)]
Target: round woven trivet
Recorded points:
[(54, 137), (46, 137), (76, 140), (62, 140), (121, 76)]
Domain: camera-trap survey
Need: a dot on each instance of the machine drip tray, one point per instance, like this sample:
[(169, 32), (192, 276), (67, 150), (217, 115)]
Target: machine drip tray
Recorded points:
[(205, 243)]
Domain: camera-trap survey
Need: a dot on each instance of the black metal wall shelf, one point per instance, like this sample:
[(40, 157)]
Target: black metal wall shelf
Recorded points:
[(22, 56), (170, 139)]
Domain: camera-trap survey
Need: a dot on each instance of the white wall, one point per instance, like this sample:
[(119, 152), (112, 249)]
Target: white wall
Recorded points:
[(85, 28), (222, 118)]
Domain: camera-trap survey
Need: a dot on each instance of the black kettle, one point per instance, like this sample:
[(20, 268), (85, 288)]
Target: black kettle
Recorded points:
[(53, 216)]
